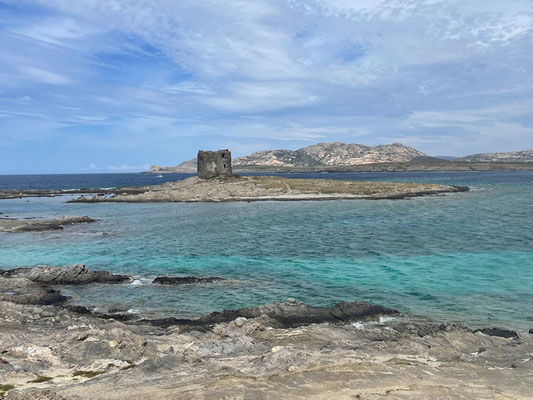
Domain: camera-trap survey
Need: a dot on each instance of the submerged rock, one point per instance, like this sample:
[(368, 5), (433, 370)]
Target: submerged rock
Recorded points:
[(184, 280), (16, 225)]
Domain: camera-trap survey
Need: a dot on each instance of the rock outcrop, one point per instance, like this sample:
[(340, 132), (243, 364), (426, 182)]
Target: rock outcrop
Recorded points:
[(75, 274), (290, 350), (18, 225), (186, 167), (184, 280), (23, 291), (289, 314)]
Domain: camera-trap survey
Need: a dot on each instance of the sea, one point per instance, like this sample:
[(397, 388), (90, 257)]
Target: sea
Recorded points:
[(456, 257)]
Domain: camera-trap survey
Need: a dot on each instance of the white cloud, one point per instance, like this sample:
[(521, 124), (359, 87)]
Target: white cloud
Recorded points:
[(263, 96), (58, 31), (168, 76), (43, 76)]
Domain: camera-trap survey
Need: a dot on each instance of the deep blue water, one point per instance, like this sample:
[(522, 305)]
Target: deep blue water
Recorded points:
[(79, 181), (465, 256)]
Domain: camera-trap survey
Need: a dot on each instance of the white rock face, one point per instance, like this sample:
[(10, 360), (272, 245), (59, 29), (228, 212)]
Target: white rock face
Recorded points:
[(331, 154), (511, 156)]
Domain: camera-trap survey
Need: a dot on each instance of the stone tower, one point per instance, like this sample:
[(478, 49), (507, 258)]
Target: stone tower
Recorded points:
[(214, 163)]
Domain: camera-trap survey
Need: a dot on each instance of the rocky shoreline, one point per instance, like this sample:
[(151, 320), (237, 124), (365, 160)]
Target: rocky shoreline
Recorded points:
[(21, 194), (272, 188), (51, 350)]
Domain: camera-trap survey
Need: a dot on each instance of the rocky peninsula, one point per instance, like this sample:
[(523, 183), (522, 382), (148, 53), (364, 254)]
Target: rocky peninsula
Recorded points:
[(51, 350), (262, 188)]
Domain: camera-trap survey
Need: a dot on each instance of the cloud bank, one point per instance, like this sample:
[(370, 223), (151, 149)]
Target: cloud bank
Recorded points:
[(130, 83)]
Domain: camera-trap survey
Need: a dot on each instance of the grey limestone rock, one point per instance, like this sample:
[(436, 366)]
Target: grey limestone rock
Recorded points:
[(75, 274), (33, 395), (285, 315)]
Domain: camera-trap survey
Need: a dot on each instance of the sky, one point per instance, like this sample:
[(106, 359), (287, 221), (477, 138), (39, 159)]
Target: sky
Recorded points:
[(119, 85)]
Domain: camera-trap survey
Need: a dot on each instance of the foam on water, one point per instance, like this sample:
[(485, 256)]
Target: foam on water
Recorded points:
[(381, 321)]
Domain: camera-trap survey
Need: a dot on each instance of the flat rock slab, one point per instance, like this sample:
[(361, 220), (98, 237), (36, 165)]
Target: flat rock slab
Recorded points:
[(23, 291), (64, 352), (264, 188), (19, 225), (75, 274), (185, 280)]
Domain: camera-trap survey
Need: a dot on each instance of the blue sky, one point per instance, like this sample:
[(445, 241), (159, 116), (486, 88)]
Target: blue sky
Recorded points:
[(118, 85)]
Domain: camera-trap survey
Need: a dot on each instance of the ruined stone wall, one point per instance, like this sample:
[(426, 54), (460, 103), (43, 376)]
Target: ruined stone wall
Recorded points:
[(214, 163)]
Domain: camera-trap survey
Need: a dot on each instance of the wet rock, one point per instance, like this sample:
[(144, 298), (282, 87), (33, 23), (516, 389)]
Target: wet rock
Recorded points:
[(116, 317), (79, 309), (285, 315), (504, 333), (75, 274), (531, 331), (184, 280), (24, 291)]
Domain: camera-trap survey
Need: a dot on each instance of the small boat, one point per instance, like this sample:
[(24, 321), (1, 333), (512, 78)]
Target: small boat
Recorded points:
[(159, 176)]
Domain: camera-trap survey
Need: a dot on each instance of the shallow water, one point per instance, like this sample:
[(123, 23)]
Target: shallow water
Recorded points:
[(465, 256)]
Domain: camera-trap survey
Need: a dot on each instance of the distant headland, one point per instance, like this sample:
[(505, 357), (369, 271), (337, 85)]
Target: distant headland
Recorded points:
[(344, 157)]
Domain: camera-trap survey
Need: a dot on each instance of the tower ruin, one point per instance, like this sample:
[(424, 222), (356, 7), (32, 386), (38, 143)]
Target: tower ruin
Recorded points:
[(214, 163)]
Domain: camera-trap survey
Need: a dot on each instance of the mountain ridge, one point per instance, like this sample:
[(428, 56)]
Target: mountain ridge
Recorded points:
[(326, 154), (337, 156), (509, 156)]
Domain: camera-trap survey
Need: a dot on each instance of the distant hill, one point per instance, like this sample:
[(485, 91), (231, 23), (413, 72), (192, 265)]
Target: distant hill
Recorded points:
[(317, 155), (446, 157), (511, 156), (188, 166), (330, 154)]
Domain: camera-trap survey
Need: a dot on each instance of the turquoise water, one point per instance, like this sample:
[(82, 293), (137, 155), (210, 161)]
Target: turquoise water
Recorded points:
[(465, 256)]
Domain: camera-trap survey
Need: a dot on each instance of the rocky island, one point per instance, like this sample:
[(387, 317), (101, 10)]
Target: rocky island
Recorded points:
[(216, 183), (53, 350), (261, 188)]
